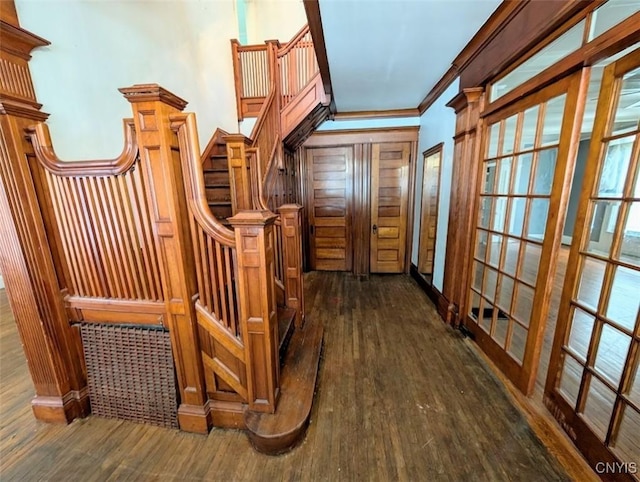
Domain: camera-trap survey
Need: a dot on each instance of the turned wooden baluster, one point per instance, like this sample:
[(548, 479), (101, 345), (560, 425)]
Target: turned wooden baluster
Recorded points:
[(254, 232), (239, 175), (160, 157), (291, 218)]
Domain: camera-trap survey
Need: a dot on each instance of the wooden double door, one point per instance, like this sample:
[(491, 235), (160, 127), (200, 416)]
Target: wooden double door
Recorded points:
[(358, 198)]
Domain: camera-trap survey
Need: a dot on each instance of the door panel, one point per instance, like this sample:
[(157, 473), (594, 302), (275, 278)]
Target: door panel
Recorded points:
[(429, 210), (389, 201), (329, 174), (593, 383), (528, 156)]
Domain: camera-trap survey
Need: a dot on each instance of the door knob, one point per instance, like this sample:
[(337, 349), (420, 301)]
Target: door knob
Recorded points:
[(375, 229)]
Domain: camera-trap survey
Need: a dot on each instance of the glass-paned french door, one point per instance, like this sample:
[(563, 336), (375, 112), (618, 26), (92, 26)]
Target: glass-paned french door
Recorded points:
[(593, 385), (528, 155)]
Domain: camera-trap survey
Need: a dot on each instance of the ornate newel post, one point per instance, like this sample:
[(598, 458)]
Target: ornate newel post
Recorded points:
[(160, 158), (256, 281), (52, 347), (291, 218), (239, 176)]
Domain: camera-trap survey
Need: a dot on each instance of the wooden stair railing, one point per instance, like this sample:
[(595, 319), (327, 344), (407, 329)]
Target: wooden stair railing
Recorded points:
[(251, 76)]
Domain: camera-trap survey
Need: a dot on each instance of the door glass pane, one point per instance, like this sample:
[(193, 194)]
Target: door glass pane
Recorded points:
[(626, 118), (500, 330), (511, 257), (630, 248), (530, 262), (505, 176), (478, 274), (522, 174), (494, 136), (570, 380), (489, 177), (500, 212), (485, 212), (518, 341), (634, 392), (537, 219), (516, 217), (610, 14), (528, 135), (494, 250), (615, 168), (580, 334), (475, 305), (481, 244), (626, 444), (524, 304), (553, 121), (509, 134), (591, 282), (597, 411), (612, 353), (624, 299), (505, 293), (485, 315), (544, 171), (604, 215), (490, 282)]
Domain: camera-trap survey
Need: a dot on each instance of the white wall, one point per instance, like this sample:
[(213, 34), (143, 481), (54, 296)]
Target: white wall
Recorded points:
[(99, 46), (437, 125), (274, 19)]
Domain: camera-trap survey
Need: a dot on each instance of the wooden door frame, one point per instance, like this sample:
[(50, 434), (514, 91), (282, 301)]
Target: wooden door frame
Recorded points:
[(575, 85), (438, 148)]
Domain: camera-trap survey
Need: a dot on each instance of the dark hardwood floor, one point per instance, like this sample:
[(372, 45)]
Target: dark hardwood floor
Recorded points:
[(400, 397)]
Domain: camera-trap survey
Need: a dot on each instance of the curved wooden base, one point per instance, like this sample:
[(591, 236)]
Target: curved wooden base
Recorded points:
[(279, 432)]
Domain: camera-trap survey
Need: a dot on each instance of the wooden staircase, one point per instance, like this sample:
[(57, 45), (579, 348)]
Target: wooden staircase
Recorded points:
[(216, 177)]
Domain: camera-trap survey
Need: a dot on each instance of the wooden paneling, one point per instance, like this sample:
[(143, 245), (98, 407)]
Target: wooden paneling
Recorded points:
[(389, 203), (329, 191)]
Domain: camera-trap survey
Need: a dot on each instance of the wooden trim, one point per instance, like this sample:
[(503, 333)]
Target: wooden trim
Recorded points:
[(377, 114), (437, 90), (18, 41), (432, 292), (314, 19), (362, 136)]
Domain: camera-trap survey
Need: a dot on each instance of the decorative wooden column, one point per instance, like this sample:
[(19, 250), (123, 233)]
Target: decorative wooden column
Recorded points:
[(256, 290), (160, 157), (291, 218), (52, 347), (462, 212), (239, 176)]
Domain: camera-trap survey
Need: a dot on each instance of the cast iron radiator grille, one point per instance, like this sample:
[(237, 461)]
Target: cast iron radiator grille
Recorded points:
[(130, 373)]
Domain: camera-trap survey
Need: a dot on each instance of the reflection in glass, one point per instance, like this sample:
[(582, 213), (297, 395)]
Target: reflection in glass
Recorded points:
[(490, 281), (626, 444), (591, 282), (626, 117), (530, 262), (481, 244), (504, 176), (516, 217), (500, 207), (518, 341), (494, 137), (538, 218), (580, 334), (630, 247), (523, 304), (603, 224), (478, 273), (505, 293), (615, 168), (570, 380), (475, 305), (500, 330), (597, 411), (545, 171), (522, 174), (485, 212), (495, 246), (509, 134), (624, 299), (528, 135), (553, 121), (511, 256), (489, 177), (612, 353)]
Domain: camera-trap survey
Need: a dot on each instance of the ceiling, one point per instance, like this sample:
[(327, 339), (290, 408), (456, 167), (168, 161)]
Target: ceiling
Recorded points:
[(388, 54)]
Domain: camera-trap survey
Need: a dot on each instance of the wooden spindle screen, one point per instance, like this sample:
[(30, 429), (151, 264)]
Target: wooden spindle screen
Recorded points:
[(266, 134), (298, 65), (254, 67)]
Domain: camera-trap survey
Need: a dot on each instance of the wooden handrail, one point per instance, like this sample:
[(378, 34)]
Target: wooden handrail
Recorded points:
[(41, 139), (185, 126), (294, 41)]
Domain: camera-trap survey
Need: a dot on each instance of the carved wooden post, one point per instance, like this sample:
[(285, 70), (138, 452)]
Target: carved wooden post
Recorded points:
[(255, 244), (160, 158), (51, 345), (467, 104), (239, 176), (291, 218)]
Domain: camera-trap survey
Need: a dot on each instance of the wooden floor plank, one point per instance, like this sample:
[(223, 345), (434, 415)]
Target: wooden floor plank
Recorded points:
[(400, 397)]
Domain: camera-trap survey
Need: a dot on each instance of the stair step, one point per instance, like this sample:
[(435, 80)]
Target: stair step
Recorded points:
[(286, 316), (275, 433), (219, 203), (212, 170), (217, 186)]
